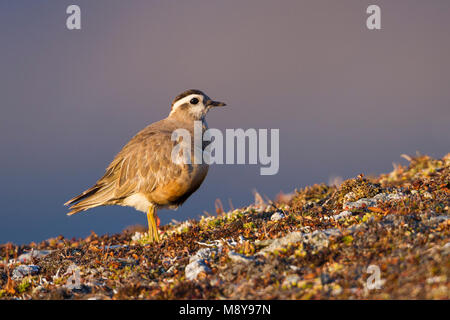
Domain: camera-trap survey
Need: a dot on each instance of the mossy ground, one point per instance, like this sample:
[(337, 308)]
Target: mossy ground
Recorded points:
[(406, 237)]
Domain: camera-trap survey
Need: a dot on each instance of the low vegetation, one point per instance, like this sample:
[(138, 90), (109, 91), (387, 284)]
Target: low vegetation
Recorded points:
[(384, 237)]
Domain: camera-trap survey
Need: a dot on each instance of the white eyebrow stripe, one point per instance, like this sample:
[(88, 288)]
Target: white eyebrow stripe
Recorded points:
[(185, 99)]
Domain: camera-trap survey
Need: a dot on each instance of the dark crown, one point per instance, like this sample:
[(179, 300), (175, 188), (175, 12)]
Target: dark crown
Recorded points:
[(185, 94)]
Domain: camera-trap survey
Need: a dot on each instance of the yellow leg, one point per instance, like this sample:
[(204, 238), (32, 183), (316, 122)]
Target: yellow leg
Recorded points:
[(153, 234)]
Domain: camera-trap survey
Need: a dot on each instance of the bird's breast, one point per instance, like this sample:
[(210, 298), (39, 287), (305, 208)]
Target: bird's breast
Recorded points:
[(177, 190)]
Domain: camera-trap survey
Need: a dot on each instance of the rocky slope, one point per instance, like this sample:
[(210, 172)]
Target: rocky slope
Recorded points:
[(383, 237)]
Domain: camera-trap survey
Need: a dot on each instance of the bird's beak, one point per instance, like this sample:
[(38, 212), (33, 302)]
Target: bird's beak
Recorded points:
[(211, 103)]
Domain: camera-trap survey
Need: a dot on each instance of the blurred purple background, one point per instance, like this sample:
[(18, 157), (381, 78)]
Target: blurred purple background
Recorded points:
[(346, 100)]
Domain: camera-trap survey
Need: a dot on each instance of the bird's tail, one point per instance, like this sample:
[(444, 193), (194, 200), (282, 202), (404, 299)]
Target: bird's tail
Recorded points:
[(96, 196)]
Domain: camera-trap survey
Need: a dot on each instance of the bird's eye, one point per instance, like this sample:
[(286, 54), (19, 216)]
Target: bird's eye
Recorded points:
[(194, 101)]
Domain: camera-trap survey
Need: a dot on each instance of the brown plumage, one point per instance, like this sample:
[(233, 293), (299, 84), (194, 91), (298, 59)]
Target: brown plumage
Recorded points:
[(142, 174)]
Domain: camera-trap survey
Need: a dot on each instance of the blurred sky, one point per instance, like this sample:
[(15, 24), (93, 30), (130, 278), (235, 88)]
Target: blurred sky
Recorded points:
[(346, 100)]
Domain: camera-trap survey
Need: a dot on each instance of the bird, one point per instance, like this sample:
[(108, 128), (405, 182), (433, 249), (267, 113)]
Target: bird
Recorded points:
[(143, 174)]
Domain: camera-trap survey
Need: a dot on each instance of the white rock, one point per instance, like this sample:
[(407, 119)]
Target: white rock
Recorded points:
[(343, 214), (236, 257), (277, 216), (372, 202), (137, 236), (33, 254), (446, 248), (116, 246), (361, 203), (194, 268), (349, 196), (436, 279), (427, 195), (280, 243), (197, 263), (439, 219), (386, 197), (291, 280), (318, 238), (203, 254), (183, 226), (24, 270)]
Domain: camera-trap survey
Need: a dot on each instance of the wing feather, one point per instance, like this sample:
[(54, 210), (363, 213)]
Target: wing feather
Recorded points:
[(142, 165)]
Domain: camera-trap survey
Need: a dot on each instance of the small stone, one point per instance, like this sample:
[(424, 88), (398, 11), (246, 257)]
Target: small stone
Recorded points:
[(372, 202), (236, 257), (436, 279), (343, 214), (361, 203), (195, 268), (439, 219), (184, 226), (446, 249), (33, 254), (386, 197), (24, 270), (350, 197), (318, 239), (197, 263), (279, 243), (116, 246), (98, 297), (291, 280), (137, 236), (277, 216), (427, 195)]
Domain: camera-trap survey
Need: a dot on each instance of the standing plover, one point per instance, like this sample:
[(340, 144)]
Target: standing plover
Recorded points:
[(143, 175)]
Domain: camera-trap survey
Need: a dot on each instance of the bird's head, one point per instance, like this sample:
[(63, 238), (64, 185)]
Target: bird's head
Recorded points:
[(193, 104)]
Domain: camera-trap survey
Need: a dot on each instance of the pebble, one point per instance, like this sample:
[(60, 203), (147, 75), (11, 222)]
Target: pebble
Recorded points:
[(372, 202), (427, 195), (279, 243), (24, 270), (137, 236), (388, 196), (343, 214), (33, 254), (236, 257), (446, 248), (361, 203), (291, 280), (277, 216), (197, 263), (116, 246), (439, 219), (436, 279), (318, 239)]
